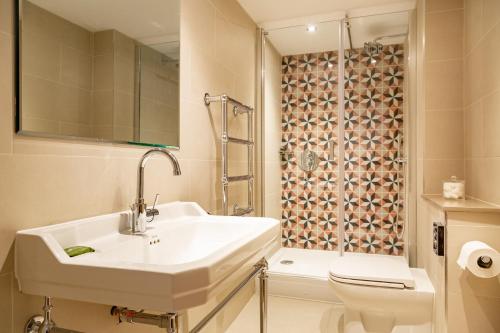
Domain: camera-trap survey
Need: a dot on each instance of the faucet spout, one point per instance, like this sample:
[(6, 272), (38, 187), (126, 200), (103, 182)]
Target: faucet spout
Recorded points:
[(139, 208), (142, 165)]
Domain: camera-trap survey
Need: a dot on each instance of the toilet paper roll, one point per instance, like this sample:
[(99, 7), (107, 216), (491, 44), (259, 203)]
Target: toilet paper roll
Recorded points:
[(476, 256)]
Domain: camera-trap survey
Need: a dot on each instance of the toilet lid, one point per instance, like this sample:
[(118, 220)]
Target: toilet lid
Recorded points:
[(372, 270)]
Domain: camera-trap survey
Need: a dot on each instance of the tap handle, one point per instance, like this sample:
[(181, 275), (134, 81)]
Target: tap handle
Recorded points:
[(157, 196), (152, 212)]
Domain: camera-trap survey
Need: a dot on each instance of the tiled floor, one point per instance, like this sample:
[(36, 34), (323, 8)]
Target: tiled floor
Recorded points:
[(288, 315)]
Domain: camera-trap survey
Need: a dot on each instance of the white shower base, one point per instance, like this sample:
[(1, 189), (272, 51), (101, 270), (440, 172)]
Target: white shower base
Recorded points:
[(305, 278)]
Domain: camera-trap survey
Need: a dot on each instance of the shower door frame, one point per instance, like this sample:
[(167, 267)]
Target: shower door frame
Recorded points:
[(409, 134)]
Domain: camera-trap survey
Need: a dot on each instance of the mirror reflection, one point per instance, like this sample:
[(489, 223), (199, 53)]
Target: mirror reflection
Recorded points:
[(100, 69)]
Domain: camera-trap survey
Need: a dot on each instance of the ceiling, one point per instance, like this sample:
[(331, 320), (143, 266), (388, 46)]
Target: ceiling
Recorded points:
[(297, 40), (286, 22), (263, 11), (144, 20)]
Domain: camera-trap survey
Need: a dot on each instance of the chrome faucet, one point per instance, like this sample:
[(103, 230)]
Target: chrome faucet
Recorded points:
[(140, 210)]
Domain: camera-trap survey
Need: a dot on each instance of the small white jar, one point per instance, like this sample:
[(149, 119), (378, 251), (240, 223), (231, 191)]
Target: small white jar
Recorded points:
[(454, 188)]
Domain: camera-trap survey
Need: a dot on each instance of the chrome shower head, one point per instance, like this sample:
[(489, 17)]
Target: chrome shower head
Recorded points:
[(373, 48)]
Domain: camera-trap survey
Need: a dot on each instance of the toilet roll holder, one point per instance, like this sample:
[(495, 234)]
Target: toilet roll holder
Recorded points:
[(484, 262)]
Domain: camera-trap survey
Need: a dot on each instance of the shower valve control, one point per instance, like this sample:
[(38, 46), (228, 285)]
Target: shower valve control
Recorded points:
[(438, 238)]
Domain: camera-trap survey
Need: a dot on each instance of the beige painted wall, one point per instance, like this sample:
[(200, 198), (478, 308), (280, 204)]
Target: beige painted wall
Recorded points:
[(443, 151), (49, 181), (481, 90), (272, 119)]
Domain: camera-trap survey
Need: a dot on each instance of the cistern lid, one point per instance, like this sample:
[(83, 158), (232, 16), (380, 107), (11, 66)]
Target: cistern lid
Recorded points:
[(372, 270)]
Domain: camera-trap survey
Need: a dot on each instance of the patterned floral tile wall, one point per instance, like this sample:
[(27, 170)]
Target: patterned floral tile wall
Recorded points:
[(373, 133)]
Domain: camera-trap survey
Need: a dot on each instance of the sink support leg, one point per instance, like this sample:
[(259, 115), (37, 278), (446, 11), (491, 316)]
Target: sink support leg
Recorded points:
[(170, 321), (44, 323), (263, 277), (41, 323)]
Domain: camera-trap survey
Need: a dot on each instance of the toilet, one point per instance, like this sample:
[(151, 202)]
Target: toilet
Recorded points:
[(382, 294)]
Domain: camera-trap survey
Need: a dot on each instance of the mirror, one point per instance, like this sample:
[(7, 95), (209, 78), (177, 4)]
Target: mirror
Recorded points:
[(102, 70)]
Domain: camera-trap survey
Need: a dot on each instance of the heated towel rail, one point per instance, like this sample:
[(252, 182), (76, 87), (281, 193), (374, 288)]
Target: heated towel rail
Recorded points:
[(238, 109)]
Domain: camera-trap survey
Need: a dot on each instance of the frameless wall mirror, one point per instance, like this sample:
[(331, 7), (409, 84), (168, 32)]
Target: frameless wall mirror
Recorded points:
[(101, 70)]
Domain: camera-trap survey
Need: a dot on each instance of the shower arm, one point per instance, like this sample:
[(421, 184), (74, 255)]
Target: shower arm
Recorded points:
[(376, 40)]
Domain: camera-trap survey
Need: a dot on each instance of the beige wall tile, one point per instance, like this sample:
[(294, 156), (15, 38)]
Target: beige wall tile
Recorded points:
[(198, 25), (6, 302), (481, 84), (490, 61), (77, 37), (41, 56), (473, 75), (103, 42), (443, 88), (470, 314), (231, 44), (74, 104), (102, 132), (75, 129), (473, 12), (40, 98), (445, 37), (6, 91), (40, 125), (444, 135), (103, 72), (489, 180), (124, 46), (435, 171), (124, 75), (491, 114), (36, 19), (6, 16), (102, 107), (124, 133), (439, 5), (233, 12), (474, 130), (124, 109), (491, 14), (76, 68)]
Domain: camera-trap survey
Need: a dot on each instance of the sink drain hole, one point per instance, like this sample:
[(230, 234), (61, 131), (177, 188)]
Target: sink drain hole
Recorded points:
[(286, 262)]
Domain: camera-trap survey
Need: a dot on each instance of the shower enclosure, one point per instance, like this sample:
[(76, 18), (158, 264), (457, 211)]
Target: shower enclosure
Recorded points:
[(335, 133)]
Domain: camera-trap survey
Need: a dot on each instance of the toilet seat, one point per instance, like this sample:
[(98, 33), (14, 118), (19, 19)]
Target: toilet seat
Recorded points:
[(372, 270)]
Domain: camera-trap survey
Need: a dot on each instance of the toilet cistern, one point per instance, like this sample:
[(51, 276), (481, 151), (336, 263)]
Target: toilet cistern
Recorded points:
[(140, 211)]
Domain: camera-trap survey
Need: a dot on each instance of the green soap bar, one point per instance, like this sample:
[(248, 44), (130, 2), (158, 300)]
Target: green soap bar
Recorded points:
[(74, 251)]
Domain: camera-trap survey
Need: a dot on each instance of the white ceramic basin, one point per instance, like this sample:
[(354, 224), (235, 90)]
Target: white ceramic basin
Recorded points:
[(179, 263)]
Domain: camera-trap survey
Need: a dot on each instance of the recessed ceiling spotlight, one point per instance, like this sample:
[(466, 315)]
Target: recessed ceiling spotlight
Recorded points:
[(311, 28)]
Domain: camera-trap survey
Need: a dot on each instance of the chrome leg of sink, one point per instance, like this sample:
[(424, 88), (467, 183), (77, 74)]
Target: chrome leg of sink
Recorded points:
[(33, 324), (263, 279), (170, 321), (44, 323), (41, 323)]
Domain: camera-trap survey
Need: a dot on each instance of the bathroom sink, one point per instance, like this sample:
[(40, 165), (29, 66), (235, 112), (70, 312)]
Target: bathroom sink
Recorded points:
[(181, 261)]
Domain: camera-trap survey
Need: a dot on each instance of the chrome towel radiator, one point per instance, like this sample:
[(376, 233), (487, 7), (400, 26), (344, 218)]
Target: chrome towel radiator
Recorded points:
[(238, 109)]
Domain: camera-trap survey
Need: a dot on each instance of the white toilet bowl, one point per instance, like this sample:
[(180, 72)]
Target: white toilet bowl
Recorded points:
[(382, 294)]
